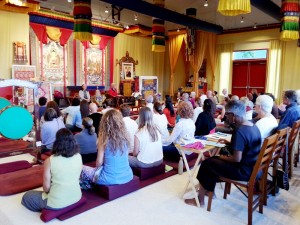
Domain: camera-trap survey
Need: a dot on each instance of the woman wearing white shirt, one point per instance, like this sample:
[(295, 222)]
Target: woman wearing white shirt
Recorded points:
[(184, 129), (84, 94), (147, 151), (161, 122)]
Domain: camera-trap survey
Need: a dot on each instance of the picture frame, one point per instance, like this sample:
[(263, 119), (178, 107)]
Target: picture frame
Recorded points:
[(127, 70)]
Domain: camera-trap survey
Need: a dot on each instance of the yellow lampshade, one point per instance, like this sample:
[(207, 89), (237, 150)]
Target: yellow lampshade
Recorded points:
[(234, 7)]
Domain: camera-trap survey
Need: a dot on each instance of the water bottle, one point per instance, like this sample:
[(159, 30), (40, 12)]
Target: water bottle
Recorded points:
[(180, 166)]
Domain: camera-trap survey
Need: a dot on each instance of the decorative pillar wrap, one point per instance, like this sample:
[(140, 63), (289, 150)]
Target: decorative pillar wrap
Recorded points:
[(290, 22), (190, 40), (82, 20), (158, 30)]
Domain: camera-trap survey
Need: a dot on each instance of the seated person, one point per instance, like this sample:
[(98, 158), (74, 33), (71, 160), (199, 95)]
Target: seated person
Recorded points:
[(49, 128), (61, 174), (149, 102), (73, 121), (245, 145), (113, 92), (266, 121), (292, 112), (169, 112), (99, 98), (184, 129), (42, 108), (249, 110), (205, 122), (130, 124), (112, 165), (95, 116), (87, 141), (108, 105), (160, 121), (84, 94), (198, 109), (53, 105), (147, 151)]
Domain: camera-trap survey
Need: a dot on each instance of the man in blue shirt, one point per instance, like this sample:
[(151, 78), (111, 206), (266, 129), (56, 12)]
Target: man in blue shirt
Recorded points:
[(292, 112)]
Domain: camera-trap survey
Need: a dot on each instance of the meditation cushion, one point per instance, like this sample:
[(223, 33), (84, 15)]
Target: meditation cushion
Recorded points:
[(111, 192), (14, 166), (21, 180), (49, 214), (190, 158), (146, 173)]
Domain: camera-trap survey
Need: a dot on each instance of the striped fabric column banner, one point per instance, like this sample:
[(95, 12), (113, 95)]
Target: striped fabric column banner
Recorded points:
[(82, 20), (190, 40), (290, 20), (158, 30)]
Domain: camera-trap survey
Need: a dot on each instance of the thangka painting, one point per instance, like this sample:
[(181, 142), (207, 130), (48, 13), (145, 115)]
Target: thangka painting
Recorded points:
[(23, 72), (148, 85), (53, 63), (95, 68), (20, 56)]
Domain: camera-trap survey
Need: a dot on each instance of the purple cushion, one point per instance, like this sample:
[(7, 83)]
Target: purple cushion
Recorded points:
[(49, 214), (146, 173), (111, 192), (14, 166)]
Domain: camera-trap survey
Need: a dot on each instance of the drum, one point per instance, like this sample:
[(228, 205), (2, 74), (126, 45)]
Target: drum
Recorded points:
[(3, 103), (15, 122)]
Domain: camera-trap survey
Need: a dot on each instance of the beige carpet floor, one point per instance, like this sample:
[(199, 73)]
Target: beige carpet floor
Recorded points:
[(161, 204)]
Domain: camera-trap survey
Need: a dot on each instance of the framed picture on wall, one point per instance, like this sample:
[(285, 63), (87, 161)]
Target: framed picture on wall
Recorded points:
[(127, 70), (23, 72)]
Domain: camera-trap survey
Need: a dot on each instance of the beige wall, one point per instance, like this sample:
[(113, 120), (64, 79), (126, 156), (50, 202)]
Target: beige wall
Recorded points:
[(14, 27)]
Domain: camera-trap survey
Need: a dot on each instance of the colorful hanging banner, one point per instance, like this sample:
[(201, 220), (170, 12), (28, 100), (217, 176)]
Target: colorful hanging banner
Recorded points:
[(290, 21), (158, 30), (82, 20)]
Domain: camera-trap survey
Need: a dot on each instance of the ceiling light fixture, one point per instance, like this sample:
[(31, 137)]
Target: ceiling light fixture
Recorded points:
[(255, 26), (69, 1), (127, 27), (242, 20), (135, 17), (178, 30), (106, 10), (205, 3)]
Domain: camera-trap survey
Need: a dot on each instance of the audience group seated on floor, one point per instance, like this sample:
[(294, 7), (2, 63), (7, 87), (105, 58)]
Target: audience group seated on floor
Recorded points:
[(116, 144)]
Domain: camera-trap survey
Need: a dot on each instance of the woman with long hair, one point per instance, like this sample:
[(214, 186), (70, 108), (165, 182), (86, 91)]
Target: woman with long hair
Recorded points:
[(84, 108), (161, 121), (205, 122), (112, 165), (87, 141), (169, 112), (147, 151), (61, 174)]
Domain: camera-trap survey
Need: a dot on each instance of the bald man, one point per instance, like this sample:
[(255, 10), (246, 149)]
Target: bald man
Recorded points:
[(95, 116)]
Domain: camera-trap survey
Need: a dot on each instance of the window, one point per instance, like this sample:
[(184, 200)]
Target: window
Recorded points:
[(252, 54)]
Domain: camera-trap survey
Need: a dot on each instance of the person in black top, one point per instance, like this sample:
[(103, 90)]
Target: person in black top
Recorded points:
[(206, 121), (95, 116), (245, 146)]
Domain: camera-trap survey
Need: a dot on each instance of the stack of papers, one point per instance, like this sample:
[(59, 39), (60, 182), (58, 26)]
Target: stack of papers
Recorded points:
[(214, 143), (218, 135)]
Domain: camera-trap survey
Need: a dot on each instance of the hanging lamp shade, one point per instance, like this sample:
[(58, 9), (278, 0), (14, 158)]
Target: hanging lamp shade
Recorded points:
[(234, 7), (290, 10), (158, 30), (82, 20)]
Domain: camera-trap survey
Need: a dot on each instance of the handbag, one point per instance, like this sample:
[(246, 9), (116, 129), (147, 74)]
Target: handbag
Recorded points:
[(282, 178)]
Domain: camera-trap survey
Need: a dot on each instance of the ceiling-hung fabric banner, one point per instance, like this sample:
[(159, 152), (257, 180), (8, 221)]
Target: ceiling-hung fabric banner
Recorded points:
[(158, 30), (290, 22), (82, 20)]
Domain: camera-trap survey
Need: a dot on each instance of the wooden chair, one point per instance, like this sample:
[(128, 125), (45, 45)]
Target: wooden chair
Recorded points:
[(272, 186), (291, 140), (262, 164), (296, 160)]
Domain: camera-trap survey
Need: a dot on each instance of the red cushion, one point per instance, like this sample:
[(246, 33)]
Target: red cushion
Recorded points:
[(21, 180), (146, 173), (49, 214), (14, 166), (111, 192)]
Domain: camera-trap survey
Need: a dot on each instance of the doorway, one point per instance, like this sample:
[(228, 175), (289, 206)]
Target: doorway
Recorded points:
[(248, 75)]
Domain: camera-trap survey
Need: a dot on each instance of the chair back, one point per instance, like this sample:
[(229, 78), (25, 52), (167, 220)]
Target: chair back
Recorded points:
[(264, 158), (293, 134), (281, 141)]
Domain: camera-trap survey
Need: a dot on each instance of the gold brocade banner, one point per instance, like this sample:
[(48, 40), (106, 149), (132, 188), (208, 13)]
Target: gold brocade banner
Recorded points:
[(24, 7)]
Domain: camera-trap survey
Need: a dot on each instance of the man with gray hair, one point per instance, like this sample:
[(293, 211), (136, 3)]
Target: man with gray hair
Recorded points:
[(267, 123), (292, 112)]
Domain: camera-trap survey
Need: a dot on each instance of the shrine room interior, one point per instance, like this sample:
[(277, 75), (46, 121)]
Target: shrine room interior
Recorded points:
[(143, 47)]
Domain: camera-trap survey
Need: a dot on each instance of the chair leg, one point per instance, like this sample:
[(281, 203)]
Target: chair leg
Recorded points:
[(227, 187), (250, 206), (210, 197)]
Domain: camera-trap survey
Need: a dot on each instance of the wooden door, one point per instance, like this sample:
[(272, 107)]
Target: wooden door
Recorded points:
[(247, 75)]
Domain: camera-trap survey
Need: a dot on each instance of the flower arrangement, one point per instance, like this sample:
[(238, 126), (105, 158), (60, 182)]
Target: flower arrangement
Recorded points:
[(137, 95)]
